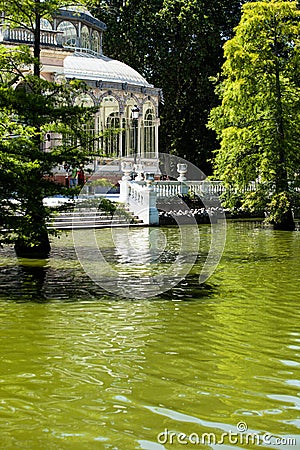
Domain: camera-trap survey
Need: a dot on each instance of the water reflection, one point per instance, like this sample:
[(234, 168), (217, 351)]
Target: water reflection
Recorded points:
[(138, 247), (59, 278), (86, 371), (137, 263), (32, 276)]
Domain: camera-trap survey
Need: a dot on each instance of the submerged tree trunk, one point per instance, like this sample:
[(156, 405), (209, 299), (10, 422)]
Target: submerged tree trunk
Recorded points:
[(33, 239), (36, 251), (283, 218), (286, 223), (35, 243)]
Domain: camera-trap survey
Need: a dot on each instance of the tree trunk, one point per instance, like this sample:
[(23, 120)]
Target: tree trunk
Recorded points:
[(286, 221), (33, 240), (24, 247), (37, 40), (39, 251)]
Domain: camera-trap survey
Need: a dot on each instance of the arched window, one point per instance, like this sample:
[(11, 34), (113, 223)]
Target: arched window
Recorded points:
[(96, 42), (85, 37), (130, 133), (149, 131), (84, 100), (113, 121), (108, 126), (45, 24), (112, 134), (149, 118), (69, 34)]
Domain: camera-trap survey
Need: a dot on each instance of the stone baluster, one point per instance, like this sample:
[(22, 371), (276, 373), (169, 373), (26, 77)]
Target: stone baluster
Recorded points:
[(150, 197), (126, 168), (139, 168), (182, 170)]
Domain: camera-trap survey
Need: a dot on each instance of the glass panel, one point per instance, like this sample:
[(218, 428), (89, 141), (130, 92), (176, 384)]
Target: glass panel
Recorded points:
[(70, 34), (112, 138), (85, 37), (90, 130), (149, 136), (45, 24), (108, 121), (96, 42), (84, 100)]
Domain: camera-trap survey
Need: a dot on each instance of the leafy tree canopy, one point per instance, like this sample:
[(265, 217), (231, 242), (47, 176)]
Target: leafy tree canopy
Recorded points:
[(30, 108), (257, 122)]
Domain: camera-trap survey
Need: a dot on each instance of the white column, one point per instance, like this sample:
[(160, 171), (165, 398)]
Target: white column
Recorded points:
[(150, 201), (126, 167), (121, 137), (139, 138), (142, 139), (156, 137)]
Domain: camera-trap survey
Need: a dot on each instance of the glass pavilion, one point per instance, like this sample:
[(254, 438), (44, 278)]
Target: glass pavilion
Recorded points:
[(71, 47)]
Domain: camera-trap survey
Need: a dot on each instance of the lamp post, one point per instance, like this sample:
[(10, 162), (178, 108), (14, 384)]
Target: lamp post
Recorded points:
[(135, 117)]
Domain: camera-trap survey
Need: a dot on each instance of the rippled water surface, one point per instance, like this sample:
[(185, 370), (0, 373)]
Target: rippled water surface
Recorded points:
[(83, 369)]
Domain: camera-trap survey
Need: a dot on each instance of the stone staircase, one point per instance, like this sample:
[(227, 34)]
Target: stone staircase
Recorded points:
[(85, 218)]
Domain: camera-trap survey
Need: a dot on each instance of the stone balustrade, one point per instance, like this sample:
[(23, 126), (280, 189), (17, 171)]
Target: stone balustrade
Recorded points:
[(167, 188), (48, 37), (206, 188), (142, 202), (201, 188), (142, 196)]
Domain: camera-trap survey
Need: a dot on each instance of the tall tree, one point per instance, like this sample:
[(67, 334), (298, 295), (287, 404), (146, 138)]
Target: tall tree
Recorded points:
[(258, 120), (176, 45), (192, 34), (31, 107)]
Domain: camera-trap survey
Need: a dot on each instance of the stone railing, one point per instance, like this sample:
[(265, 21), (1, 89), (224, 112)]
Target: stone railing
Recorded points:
[(48, 37), (173, 188), (142, 202), (206, 188), (141, 195), (167, 188)]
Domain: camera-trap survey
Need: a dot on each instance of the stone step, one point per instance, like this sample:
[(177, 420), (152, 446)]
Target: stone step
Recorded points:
[(85, 226), (87, 222), (83, 218), (90, 219), (83, 214)]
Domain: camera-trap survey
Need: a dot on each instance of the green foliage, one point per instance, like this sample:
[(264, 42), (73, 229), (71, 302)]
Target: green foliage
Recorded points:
[(279, 206), (257, 122), (29, 109), (107, 206), (24, 13), (101, 182)]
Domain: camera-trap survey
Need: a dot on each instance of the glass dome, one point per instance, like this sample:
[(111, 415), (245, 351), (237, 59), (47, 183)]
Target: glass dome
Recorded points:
[(101, 68)]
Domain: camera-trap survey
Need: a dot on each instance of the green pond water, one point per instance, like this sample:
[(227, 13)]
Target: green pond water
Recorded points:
[(82, 368)]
